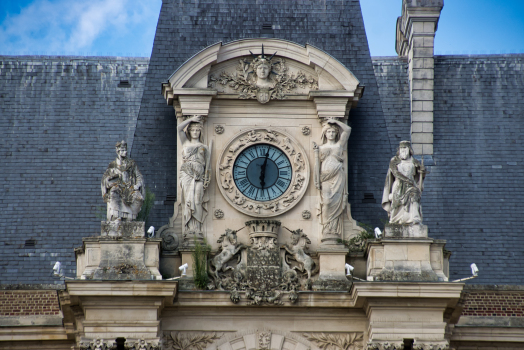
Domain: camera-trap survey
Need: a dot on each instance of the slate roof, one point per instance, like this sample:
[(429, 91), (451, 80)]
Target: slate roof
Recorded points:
[(61, 116), (60, 119)]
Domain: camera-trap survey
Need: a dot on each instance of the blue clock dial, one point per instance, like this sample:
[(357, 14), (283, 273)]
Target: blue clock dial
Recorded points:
[(262, 172)]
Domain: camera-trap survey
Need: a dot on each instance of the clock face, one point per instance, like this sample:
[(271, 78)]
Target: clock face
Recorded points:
[(262, 172)]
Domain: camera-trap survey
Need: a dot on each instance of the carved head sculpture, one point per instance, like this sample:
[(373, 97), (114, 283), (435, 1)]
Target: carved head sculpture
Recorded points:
[(194, 131), (263, 69), (121, 149), (262, 65), (404, 150), (330, 132)]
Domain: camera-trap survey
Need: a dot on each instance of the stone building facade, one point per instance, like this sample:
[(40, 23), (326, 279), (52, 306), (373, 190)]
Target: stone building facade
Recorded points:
[(227, 80)]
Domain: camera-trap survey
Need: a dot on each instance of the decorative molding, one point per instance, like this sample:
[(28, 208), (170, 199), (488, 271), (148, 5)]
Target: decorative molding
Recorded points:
[(189, 340), (337, 341), (287, 144), (306, 130), (306, 214)]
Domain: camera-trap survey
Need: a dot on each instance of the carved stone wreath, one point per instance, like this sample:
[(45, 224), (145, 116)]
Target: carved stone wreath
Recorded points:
[(287, 144)]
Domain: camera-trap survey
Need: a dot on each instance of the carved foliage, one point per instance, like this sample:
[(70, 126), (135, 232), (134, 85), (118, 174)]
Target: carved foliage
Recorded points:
[(189, 341), (244, 81), (336, 341)]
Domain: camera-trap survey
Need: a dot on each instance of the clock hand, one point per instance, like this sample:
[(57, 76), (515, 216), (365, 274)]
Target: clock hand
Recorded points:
[(263, 171)]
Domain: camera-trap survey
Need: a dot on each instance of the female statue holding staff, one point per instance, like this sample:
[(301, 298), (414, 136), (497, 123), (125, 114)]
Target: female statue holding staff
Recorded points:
[(330, 177), (194, 174)]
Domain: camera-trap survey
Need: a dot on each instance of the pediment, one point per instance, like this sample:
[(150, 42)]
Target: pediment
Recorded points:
[(296, 72)]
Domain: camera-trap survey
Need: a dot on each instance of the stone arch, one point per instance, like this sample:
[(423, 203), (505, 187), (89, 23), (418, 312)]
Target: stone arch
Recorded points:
[(332, 75)]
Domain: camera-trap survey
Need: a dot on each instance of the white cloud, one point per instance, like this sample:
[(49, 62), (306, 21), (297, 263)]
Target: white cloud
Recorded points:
[(73, 26)]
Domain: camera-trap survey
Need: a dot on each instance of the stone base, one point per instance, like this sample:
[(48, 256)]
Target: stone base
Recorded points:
[(405, 231), (332, 274), (135, 229), (406, 259), (110, 258), (333, 284)]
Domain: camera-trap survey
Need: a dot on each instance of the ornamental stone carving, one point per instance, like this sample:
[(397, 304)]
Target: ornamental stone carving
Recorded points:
[(270, 204), (306, 214), (330, 178), (189, 340), (262, 272), (264, 78), (194, 175), (219, 213), (219, 129), (298, 251), (385, 346), (306, 130), (137, 344), (123, 187), (337, 341), (403, 187)]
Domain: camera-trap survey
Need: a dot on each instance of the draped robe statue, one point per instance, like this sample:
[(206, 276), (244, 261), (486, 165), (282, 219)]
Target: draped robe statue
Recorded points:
[(403, 187), (194, 175), (123, 187), (330, 176)]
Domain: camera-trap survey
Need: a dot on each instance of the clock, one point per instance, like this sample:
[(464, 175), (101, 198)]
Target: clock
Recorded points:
[(263, 172)]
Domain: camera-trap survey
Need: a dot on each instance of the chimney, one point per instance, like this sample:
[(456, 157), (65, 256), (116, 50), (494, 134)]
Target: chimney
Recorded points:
[(415, 41)]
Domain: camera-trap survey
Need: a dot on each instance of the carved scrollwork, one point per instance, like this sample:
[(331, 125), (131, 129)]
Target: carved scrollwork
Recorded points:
[(189, 341), (337, 341), (279, 139)]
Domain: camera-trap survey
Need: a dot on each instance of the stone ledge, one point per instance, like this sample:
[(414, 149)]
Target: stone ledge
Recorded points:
[(32, 286), (10, 321), (491, 321)]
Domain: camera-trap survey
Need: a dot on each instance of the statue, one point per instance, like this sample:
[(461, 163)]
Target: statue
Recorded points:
[(123, 187), (403, 187), (330, 176), (194, 174)]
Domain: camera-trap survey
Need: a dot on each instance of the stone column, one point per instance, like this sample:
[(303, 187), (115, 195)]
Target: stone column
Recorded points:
[(415, 41)]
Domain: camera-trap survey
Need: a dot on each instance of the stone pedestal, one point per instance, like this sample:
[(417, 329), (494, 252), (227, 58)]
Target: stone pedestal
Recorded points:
[(332, 275), (108, 258), (121, 252), (406, 254)]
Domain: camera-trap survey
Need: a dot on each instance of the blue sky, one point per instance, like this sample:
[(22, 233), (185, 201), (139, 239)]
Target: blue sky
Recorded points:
[(127, 27)]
